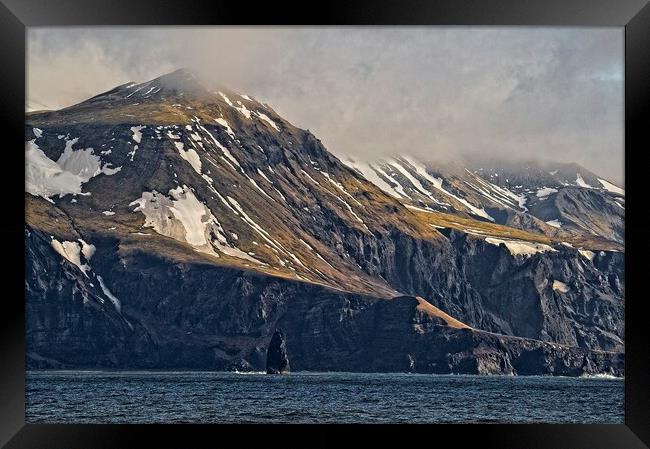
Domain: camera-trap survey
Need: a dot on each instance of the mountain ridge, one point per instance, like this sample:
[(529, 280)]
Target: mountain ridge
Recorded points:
[(218, 181), (535, 201)]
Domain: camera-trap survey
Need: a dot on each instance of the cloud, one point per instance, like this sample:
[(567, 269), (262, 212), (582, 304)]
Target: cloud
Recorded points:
[(435, 92)]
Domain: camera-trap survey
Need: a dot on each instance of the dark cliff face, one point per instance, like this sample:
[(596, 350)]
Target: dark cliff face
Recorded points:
[(225, 222), (69, 320), (362, 337), (277, 361), (188, 316), (560, 296)]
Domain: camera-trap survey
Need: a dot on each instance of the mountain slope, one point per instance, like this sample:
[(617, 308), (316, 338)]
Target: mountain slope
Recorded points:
[(213, 220), (559, 200)]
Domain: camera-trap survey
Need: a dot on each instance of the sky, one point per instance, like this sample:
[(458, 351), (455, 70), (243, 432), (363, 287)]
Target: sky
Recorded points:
[(437, 93)]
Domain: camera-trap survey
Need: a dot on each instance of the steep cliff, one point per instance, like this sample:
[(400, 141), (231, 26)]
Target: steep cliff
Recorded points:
[(169, 226)]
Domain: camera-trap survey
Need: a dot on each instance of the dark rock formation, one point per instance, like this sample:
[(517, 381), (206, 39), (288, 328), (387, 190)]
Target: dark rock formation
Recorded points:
[(283, 235), (277, 361), (197, 316), (584, 210)]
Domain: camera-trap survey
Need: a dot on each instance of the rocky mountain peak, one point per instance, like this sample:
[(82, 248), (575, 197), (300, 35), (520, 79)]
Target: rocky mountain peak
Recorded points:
[(171, 86), (204, 212), (179, 82)]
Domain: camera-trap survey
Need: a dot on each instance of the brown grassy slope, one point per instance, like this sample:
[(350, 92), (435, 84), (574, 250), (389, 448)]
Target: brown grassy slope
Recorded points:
[(131, 238), (430, 309), (488, 229)]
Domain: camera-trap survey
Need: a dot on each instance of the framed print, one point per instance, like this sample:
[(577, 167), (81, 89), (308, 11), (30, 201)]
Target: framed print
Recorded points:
[(367, 214)]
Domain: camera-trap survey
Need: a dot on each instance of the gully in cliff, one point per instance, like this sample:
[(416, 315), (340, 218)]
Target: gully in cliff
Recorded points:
[(277, 361)]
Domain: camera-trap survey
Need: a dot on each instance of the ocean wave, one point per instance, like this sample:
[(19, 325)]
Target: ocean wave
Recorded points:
[(601, 376)]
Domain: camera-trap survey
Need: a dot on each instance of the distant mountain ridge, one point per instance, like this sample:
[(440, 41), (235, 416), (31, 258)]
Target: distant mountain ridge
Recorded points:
[(527, 195), (173, 226)]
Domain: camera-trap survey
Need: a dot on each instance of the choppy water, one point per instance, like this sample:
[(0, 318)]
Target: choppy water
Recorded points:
[(209, 397)]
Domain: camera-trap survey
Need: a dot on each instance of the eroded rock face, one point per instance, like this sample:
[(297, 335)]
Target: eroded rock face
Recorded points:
[(277, 361), (487, 287), (222, 225), (189, 316), (585, 209)]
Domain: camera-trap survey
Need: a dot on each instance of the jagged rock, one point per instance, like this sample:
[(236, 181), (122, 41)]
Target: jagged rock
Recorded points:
[(277, 361)]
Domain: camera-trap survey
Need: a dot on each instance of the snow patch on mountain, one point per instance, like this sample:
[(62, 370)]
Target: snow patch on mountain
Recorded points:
[(554, 223), (308, 176), (132, 153), (545, 192), (241, 107), (188, 218), (243, 110), (252, 181), (496, 194), (611, 187), (349, 208), (587, 254), (417, 184), (395, 186), (71, 251), (210, 182), (192, 214), (581, 182), (560, 286), (109, 294), (223, 149), (248, 220), (190, 155), (475, 210), (226, 99), (137, 90), (183, 217), (437, 184), (83, 163), (520, 247), (276, 246), (261, 173), (137, 133), (87, 249), (340, 187), (45, 177), (267, 120), (224, 123), (368, 172)]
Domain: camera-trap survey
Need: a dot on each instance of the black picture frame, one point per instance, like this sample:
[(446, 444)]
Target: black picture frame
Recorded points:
[(16, 15)]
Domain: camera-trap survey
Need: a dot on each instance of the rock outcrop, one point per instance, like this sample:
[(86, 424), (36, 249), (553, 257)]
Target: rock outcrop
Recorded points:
[(277, 361)]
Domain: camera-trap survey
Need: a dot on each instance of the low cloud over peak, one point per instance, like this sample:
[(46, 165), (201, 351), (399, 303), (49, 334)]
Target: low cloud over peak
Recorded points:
[(434, 92)]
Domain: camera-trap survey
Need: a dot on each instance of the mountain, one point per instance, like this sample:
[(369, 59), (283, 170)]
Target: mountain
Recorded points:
[(173, 226), (528, 195)]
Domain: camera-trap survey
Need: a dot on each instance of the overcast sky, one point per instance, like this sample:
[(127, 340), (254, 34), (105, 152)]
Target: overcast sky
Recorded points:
[(434, 92)]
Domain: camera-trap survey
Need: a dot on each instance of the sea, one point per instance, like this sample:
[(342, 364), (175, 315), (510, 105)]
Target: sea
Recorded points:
[(308, 397)]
